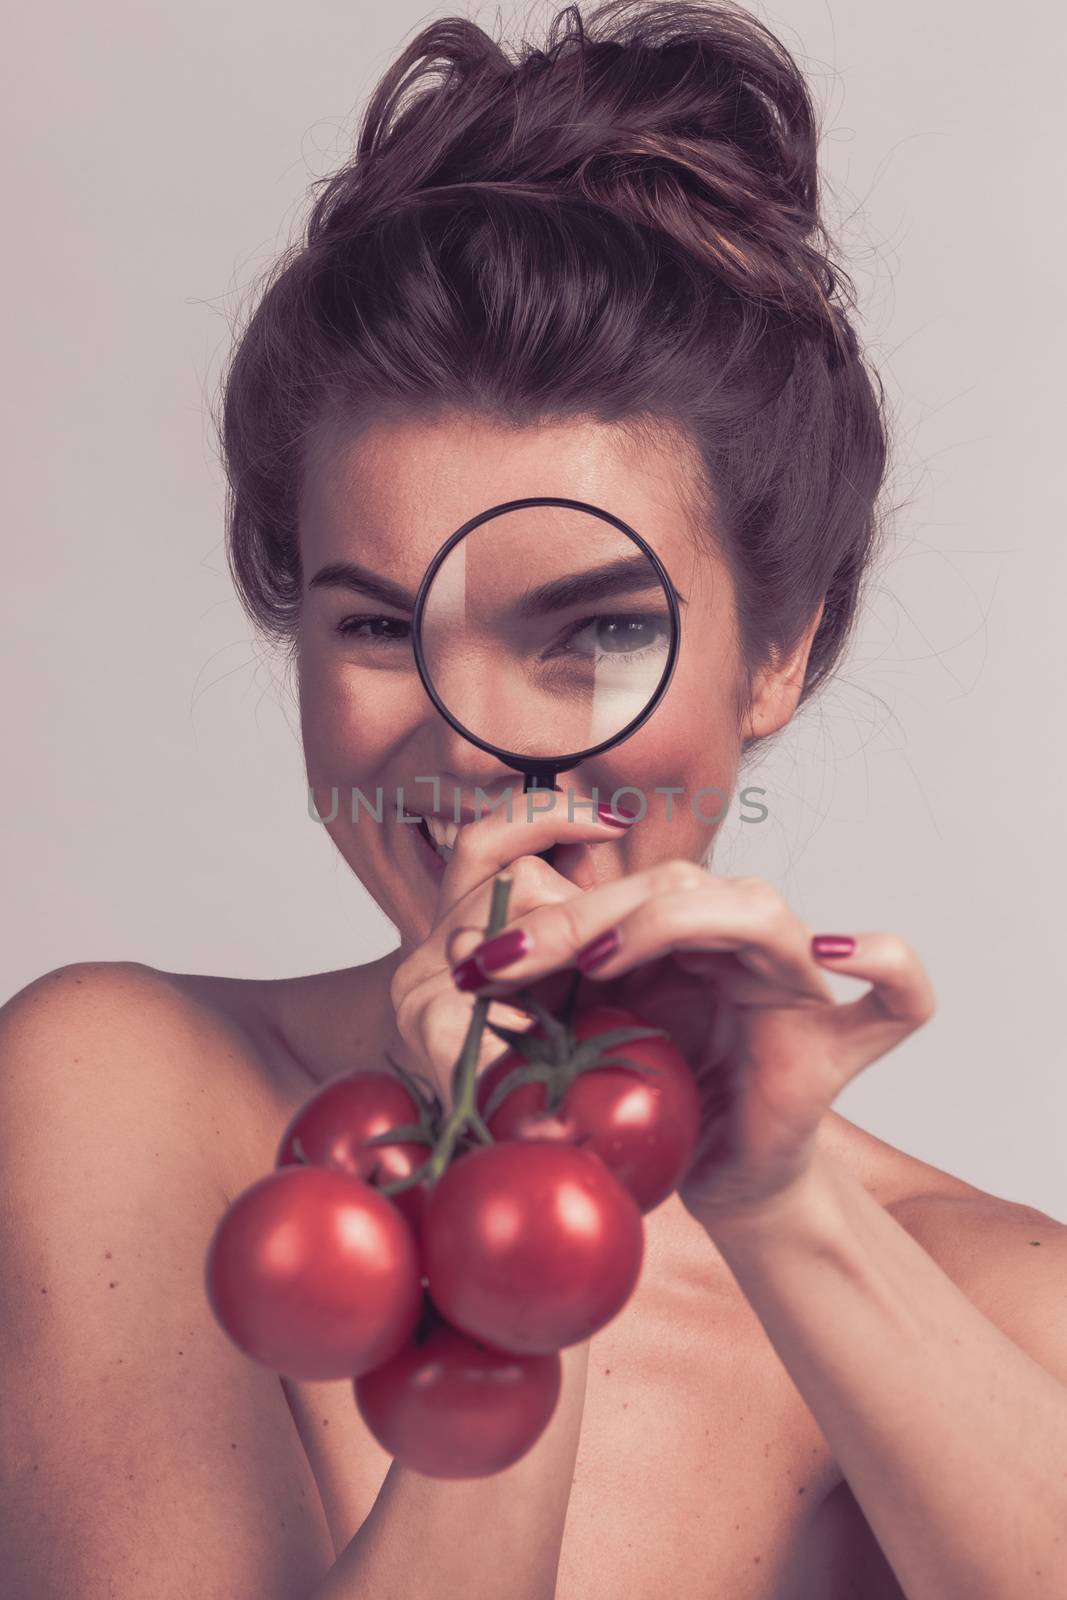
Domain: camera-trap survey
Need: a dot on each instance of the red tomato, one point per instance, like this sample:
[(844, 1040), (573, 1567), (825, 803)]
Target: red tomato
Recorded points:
[(335, 1123), (449, 1407), (643, 1128), (315, 1274), (530, 1246)]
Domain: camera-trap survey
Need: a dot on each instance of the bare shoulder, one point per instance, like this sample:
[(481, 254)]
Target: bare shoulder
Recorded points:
[(1010, 1259), (71, 1028), (132, 1419), (95, 995), (981, 1234), (146, 1042), (76, 981)]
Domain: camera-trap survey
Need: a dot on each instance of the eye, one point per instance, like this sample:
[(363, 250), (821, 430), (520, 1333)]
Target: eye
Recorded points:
[(629, 635), (368, 628)]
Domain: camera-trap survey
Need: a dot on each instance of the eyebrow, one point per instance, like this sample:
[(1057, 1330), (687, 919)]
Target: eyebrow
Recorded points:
[(350, 575), (629, 575)]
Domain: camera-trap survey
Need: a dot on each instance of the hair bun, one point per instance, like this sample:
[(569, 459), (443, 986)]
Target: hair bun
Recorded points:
[(690, 119), (621, 224)]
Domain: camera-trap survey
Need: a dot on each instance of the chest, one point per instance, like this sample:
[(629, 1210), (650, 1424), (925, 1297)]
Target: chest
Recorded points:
[(700, 1471), (699, 1466), (696, 1455)]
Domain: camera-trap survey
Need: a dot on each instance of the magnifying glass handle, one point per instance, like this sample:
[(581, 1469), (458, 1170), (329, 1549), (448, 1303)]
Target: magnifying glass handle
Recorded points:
[(539, 780)]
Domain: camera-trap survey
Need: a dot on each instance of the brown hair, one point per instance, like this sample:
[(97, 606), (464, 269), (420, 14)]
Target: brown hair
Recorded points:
[(623, 225)]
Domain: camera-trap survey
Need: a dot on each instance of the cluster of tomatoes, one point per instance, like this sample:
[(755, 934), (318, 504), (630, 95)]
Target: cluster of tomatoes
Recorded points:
[(447, 1301)]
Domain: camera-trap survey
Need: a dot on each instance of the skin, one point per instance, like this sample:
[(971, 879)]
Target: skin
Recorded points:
[(366, 720), (843, 1371), (368, 724), (826, 1245)]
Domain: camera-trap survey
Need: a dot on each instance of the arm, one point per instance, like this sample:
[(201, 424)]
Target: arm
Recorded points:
[(476, 1537), (952, 1436)]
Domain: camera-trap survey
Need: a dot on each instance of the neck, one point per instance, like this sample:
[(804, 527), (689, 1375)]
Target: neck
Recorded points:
[(334, 1022)]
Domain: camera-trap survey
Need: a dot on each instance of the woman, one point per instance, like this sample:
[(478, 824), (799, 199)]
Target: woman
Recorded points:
[(598, 272)]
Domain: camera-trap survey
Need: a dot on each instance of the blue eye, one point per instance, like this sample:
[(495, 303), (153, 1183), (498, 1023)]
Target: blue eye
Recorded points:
[(362, 628)]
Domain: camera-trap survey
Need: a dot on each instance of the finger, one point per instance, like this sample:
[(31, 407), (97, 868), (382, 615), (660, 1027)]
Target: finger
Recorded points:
[(671, 906), (578, 863), (901, 999), (460, 939), (738, 983), (523, 824), (533, 883), (549, 937), (761, 934), (433, 1020)]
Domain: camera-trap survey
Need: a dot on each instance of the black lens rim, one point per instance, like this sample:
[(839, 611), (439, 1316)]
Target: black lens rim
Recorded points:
[(541, 766)]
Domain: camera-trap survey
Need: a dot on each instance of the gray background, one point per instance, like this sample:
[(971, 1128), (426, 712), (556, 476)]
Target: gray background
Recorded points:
[(154, 808)]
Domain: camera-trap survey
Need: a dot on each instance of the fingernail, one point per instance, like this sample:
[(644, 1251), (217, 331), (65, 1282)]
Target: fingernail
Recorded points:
[(832, 944), (502, 950), (468, 975), (597, 950), (624, 818)]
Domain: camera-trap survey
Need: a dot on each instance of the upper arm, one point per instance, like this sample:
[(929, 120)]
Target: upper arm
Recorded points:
[(1010, 1260), (142, 1453)]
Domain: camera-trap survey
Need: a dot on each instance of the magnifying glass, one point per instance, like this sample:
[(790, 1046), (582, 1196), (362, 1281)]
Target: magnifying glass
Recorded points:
[(545, 631)]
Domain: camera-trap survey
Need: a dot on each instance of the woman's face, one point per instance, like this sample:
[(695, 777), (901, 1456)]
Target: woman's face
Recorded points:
[(386, 498)]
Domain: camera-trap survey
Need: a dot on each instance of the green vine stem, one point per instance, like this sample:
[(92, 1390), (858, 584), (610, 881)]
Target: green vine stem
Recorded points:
[(464, 1113)]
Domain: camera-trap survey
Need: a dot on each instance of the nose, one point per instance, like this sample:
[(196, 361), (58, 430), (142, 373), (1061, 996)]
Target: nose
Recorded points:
[(460, 767), (484, 696)]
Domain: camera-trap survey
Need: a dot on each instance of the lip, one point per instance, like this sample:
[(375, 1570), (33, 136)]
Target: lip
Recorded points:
[(447, 814), (426, 852)]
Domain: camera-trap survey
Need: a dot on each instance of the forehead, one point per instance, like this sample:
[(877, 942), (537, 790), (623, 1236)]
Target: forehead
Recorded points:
[(390, 492)]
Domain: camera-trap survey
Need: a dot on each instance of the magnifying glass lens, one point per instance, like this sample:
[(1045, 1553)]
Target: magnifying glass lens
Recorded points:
[(545, 630)]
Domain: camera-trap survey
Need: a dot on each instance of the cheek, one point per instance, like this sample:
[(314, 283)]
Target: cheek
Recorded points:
[(692, 737), (686, 745), (691, 743), (347, 725)]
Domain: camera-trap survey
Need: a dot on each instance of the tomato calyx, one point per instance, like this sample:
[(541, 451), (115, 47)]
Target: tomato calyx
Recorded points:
[(554, 1056), (431, 1116), (425, 1131)]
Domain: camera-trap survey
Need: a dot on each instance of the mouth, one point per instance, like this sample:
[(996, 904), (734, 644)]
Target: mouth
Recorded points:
[(435, 855)]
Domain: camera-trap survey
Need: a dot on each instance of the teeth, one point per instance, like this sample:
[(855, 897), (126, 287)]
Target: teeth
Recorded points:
[(443, 835)]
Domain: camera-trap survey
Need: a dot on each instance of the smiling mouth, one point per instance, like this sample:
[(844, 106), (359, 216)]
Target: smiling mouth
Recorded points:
[(443, 852)]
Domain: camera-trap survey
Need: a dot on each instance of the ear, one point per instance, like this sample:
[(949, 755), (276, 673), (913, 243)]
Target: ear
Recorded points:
[(777, 685)]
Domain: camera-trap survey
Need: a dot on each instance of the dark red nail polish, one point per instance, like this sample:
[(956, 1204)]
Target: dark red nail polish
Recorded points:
[(832, 944), (597, 950), (502, 950), (623, 820), (468, 975)]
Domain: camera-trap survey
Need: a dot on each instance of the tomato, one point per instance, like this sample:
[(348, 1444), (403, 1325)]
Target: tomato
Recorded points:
[(530, 1246), (644, 1128), (450, 1407), (334, 1124), (314, 1273)]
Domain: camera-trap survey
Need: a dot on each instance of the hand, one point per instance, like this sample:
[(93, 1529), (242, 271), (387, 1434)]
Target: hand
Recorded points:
[(728, 970), (431, 1015)]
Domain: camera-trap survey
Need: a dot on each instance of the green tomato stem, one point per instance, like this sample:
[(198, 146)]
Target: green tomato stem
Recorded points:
[(464, 1112)]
